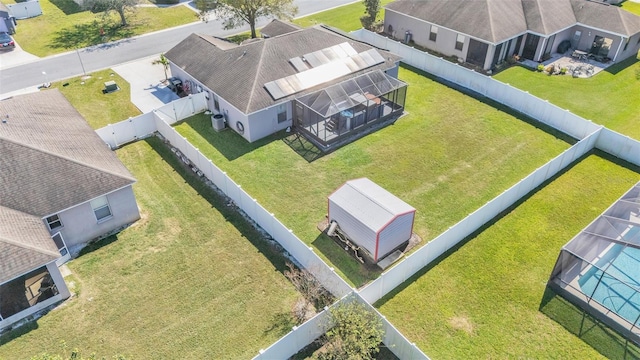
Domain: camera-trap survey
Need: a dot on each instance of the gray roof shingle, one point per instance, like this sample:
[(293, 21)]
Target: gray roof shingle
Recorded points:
[(498, 20), (52, 159), (238, 74), (278, 27), (24, 244)]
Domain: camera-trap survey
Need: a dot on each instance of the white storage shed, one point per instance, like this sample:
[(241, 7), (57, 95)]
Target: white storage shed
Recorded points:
[(371, 217)]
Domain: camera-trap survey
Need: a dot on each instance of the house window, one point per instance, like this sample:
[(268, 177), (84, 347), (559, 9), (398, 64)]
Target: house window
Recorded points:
[(54, 222), (433, 35), (101, 208), (282, 113), (459, 41)]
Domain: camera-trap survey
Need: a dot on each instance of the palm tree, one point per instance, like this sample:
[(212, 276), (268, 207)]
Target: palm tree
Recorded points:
[(165, 65)]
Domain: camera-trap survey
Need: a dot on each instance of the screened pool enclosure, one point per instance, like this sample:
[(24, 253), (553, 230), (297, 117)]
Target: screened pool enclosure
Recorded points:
[(353, 105), (599, 269)]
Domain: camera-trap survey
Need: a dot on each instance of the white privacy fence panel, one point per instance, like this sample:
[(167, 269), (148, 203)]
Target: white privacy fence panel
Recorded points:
[(25, 10), (517, 99), (128, 130), (448, 239), (620, 146), (297, 339), (284, 236), (183, 108)]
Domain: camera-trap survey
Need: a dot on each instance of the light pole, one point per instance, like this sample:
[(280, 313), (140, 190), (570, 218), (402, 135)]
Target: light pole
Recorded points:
[(81, 64)]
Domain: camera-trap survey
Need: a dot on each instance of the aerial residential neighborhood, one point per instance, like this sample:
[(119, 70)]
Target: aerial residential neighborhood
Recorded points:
[(292, 179)]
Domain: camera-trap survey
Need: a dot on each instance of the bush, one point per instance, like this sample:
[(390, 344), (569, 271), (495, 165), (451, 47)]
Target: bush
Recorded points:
[(563, 71), (540, 67)]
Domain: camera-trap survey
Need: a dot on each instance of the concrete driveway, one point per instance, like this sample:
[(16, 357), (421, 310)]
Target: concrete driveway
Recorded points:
[(15, 57)]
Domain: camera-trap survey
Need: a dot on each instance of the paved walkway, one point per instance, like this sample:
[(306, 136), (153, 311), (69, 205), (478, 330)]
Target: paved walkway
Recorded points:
[(148, 91)]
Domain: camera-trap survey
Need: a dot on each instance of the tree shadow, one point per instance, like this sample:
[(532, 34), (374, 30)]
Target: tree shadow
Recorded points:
[(227, 142), (281, 324), (589, 329), (90, 34), (68, 7)]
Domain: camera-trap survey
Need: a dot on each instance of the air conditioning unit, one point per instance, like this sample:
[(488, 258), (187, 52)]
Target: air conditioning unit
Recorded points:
[(218, 122)]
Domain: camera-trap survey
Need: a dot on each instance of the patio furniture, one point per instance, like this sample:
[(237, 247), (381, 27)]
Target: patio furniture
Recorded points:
[(579, 55)]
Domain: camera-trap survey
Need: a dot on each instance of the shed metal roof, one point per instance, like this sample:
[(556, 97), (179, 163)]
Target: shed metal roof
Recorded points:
[(369, 203)]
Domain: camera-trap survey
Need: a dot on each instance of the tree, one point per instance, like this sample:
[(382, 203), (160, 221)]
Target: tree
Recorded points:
[(121, 7), (235, 13), (165, 64), (356, 333), (371, 8), (313, 292)]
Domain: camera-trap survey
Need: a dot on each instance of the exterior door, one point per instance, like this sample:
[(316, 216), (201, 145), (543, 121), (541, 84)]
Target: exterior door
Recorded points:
[(530, 46), (477, 52), (62, 247)]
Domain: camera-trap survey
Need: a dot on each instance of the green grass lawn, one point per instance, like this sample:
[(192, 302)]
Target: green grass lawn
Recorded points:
[(448, 156), (484, 299), (346, 17), (608, 98), (632, 7), (190, 280), (97, 108), (64, 26)]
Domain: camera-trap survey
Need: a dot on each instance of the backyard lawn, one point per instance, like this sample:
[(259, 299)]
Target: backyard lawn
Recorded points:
[(65, 26), (97, 108), (190, 280), (448, 156), (488, 297), (609, 98), (346, 18)]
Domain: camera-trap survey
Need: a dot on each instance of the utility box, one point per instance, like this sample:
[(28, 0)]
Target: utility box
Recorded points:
[(218, 122), (109, 87)]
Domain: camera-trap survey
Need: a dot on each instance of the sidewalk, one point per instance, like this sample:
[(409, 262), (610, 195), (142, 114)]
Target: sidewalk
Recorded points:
[(148, 92)]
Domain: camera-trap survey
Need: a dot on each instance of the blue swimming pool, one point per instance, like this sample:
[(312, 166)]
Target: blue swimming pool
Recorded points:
[(614, 281)]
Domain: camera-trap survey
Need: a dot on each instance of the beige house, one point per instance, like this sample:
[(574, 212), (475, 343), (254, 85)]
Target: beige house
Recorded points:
[(486, 32), (60, 187)]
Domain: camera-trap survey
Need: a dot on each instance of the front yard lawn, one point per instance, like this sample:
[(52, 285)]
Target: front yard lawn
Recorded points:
[(65, 26), (608, 98), (97, 108), (448, 156), (190, 280), (487, 299)]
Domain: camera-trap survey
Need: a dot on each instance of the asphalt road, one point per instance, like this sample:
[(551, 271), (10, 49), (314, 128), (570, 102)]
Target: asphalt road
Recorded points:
[(103, 56)]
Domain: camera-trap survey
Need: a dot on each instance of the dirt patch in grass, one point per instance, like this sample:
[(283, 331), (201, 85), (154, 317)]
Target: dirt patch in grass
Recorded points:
[(462, 323)]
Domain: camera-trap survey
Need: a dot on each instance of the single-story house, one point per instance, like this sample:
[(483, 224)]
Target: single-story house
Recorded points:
[(7, 21), (60, 187), (324, 84), (487, 32)]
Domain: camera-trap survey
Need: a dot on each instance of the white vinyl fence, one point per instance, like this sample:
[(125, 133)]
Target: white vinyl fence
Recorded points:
[(619, 145), (25, 10), (413, 263), (182, 108)]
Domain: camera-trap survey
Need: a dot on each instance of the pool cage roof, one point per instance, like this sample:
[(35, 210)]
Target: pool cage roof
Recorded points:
[(349, 93), (600, 267)]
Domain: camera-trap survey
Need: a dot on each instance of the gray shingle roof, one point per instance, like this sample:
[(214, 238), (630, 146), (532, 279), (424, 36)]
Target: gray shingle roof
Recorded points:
[(52, 159), (238, 74), (277, 27), (498, 20), (24, 244)]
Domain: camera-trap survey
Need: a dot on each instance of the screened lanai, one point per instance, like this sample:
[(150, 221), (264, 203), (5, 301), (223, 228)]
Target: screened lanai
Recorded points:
[(599, 269), (352, 105)]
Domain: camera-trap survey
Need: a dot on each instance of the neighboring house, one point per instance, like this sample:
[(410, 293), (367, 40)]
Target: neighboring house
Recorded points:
[(487, 32), (60, 187), (328, 86), (7, 21)]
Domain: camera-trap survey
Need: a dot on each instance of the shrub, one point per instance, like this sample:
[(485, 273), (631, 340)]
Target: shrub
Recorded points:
[(540, 67), (563, 71)]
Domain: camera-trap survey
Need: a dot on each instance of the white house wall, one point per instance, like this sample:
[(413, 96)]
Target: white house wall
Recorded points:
[(354, 229), (445, 42), (395, 233), (80, 224), (265, 122), (632, 48)]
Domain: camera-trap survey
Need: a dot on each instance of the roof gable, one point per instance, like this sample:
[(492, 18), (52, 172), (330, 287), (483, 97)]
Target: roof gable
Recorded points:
[(24, 244), (278, 27)]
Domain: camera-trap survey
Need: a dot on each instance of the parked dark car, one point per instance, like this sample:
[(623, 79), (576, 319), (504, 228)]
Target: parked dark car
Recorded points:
[(6, 42)]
